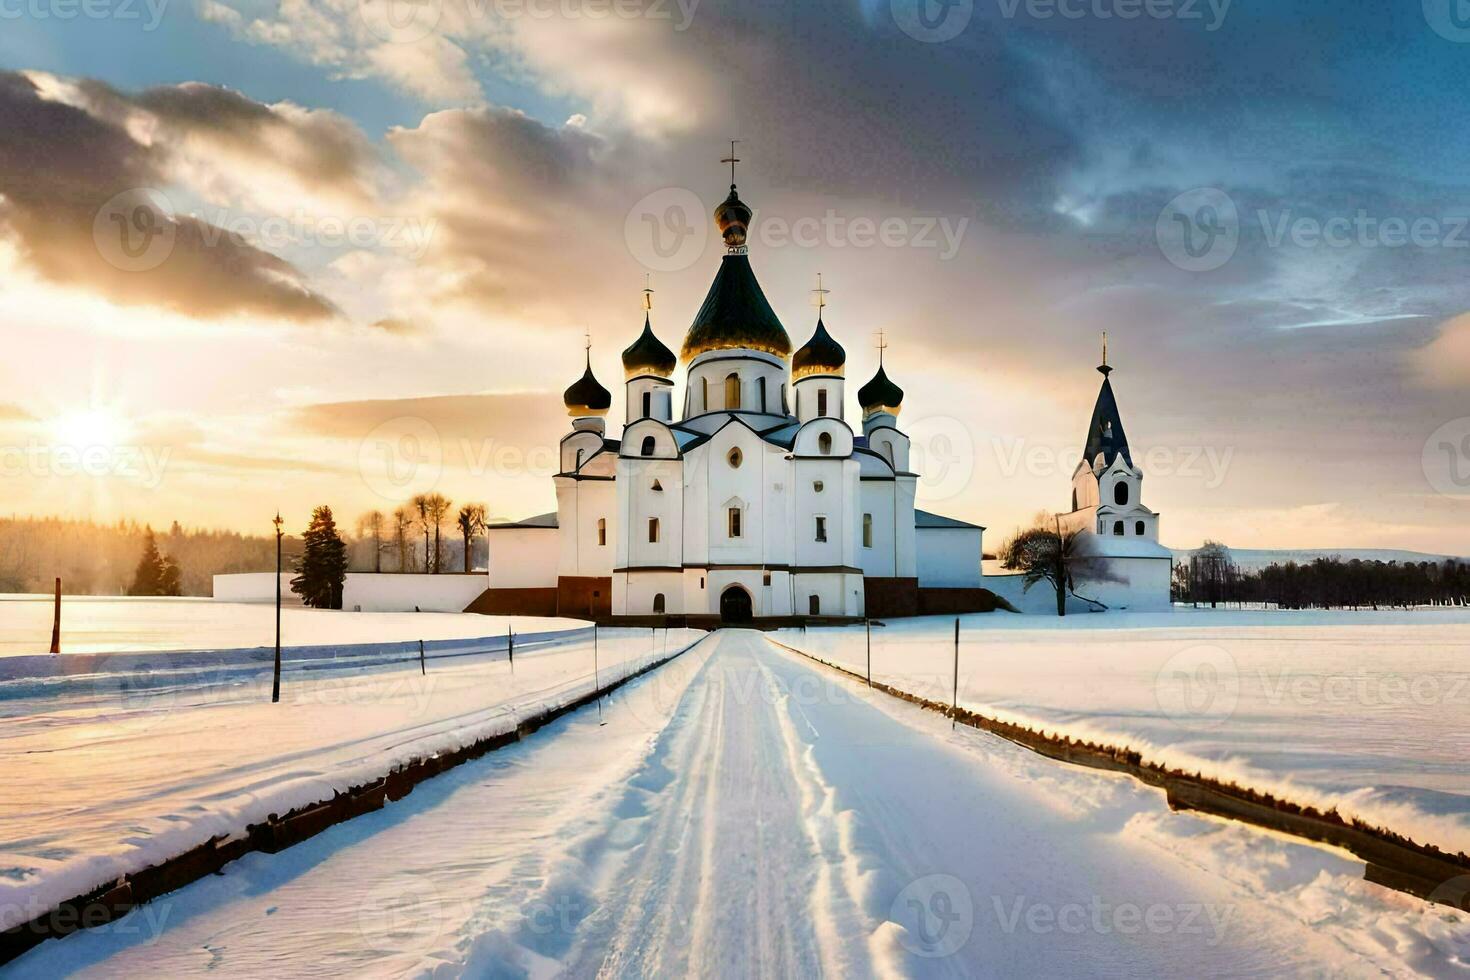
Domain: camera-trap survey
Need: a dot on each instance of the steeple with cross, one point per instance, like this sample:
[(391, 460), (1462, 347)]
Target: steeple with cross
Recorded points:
[(732, 159)]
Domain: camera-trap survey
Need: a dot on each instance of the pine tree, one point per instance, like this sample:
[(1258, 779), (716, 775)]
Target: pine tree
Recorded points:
[(148, 577), (322, 568)]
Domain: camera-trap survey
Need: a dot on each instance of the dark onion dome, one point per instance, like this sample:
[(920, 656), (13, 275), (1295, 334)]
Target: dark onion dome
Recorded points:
[(820, 355), (880, 395), (735, 315), (586, 397), (648, 355), (732, 216), (1105, 433)]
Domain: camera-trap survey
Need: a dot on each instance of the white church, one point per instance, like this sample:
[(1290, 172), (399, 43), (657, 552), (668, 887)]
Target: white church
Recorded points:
[(750, 496)]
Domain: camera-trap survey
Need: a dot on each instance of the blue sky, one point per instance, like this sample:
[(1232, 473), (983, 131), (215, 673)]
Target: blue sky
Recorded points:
[(1317, 351)]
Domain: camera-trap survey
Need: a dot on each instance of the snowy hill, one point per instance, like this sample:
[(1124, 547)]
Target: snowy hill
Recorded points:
[(1251, 559)]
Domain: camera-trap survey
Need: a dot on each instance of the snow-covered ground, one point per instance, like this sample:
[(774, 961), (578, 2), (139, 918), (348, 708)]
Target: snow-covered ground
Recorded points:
[(1368, 712), (744, 812), (119, 764), (106, 624)]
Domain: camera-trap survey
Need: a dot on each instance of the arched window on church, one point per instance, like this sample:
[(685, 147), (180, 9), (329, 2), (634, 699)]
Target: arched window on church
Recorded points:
[(658, 604), (648, 445), (822, 402), (1120, 493), (647, 404), (602, 532), (886, 448), (578, 465), (1138, 529), (1118, 528), (704, 394), (824, 443), (760, 389), (814, 605), (732, 392)]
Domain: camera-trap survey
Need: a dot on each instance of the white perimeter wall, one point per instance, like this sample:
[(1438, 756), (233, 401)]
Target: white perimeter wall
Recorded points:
[(949, 558), (255, 587), (523, 557), (385, 592)]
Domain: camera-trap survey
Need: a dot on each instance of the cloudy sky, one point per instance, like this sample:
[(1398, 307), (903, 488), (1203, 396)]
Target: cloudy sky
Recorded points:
[(262, 253)]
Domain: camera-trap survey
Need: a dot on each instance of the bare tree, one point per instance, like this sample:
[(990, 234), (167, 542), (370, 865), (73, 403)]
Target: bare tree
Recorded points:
[(471, 521), (370, 525), (436, 509), (420, 504), (1061, 558), (402, 524)]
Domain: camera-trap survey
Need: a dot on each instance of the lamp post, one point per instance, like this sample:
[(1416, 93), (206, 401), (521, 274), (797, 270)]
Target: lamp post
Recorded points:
[(276, 681)]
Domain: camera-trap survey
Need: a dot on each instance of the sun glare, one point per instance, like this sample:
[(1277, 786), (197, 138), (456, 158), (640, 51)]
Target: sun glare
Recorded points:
[(92, 427)]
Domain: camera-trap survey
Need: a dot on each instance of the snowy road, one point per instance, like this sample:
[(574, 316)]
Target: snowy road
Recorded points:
[(744, 812)]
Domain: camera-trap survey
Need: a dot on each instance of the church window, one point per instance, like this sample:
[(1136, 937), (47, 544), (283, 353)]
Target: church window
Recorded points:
[(602, 532), (658, 604), (821, 528), (653, 530), (647, 404), (732, 392), (648, 445), (734, 516), (760, 387), (824, 444), (701, 581), (704, 394), (822, 402), (814, 605), (1118, 528), (1138, 529), (783, 401), (580, 453), (766, 579), (1074, 498), (735, 458), (818, 486), (1120, 493), (657, 487), (867, 530), (886, 448)]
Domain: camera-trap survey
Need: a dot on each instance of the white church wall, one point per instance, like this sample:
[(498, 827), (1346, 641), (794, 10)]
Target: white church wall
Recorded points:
[(639, 504), (877, 497), (708, 373), (837, 506), (587, 444), (907, 488), (809, 393), (891, 444), (1143, 585), (634, 593), (580, 505), (949, 558), (523, 557)]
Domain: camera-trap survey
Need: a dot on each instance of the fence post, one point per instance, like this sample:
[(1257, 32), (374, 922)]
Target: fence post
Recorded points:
[(954, 710), (56, 620), (510, 646), (596, 683), (423, 669), (869, 624)]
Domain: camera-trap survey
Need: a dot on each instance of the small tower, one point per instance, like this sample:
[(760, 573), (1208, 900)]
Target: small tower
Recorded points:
[(1107, 486), (587, 401), (647, 366), (817, 371), (882, 400)]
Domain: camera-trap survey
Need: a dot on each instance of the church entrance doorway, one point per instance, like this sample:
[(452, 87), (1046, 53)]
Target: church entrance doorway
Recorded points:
[(735, 606)]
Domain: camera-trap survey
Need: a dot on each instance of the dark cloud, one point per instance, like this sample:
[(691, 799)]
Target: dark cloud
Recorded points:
[(61, 170)]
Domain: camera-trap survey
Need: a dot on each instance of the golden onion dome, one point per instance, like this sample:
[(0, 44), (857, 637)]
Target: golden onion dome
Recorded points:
[(648, 355), (732, 216), (880, 395), (820, 355), (735, 315), (586, 397)]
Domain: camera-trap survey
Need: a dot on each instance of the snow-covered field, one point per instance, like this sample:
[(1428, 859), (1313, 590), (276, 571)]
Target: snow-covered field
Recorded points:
[(743, 812), (106, 624), (119, 761), (1367, 712)]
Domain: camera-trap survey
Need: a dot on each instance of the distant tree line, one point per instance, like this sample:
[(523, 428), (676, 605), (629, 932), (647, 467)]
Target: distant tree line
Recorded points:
[(1211, 577)]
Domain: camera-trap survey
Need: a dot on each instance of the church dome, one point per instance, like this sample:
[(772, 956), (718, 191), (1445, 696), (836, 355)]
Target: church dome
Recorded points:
[(880, 395), (648, 355), (736, 315), (820, 355), (586, 397), (732, 216)]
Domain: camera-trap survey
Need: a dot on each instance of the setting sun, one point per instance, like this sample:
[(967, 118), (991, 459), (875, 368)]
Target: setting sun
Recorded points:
[(98, 426)]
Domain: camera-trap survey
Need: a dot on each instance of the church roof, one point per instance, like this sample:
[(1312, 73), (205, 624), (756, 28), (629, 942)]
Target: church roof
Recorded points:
[(540, 520), (586, 397), (923, 518), (648, 355), (735, 314), (820, 355), (880, 393), (1105, 433)]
